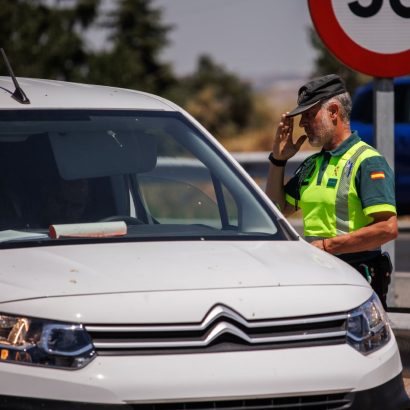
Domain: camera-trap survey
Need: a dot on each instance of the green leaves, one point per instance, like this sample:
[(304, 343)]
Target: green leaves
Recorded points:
[(218, 99), (49, 39), (45, 41)]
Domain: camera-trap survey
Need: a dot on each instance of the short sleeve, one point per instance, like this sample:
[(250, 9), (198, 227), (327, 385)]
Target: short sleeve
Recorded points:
[(375, 185)]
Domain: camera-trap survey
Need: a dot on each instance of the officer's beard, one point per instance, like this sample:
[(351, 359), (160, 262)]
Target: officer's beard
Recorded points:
[(323, 135)]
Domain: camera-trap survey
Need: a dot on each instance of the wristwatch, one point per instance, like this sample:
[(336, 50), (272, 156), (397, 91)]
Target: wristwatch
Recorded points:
[(277, 162)]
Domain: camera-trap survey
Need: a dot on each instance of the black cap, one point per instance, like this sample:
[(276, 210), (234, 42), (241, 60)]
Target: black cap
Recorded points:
[(317, 90)]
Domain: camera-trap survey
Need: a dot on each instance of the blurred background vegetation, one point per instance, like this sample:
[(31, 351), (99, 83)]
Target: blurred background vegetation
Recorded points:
[(48, 39)]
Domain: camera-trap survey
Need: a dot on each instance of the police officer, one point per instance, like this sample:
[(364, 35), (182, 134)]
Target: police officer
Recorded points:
[(345, 191)]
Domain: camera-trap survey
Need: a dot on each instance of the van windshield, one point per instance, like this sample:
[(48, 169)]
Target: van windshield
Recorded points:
[(124, 174)]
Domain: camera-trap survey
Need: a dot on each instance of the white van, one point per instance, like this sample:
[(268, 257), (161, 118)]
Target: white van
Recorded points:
[(142, 268)]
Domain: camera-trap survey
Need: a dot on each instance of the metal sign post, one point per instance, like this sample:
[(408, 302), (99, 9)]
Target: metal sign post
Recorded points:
[(383, 114)]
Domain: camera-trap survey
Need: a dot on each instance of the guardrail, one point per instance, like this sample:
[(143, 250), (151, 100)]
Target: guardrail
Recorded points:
[(256, 164)]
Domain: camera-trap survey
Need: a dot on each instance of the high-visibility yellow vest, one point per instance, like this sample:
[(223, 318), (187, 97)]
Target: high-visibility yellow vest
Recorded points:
[(329, 199)]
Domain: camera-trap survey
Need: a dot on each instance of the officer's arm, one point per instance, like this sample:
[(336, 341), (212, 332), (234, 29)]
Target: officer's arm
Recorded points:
[(276, 191), (283, 148), (382, 230)]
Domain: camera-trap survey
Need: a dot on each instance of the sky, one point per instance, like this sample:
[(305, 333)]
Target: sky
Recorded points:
[(253, 38)]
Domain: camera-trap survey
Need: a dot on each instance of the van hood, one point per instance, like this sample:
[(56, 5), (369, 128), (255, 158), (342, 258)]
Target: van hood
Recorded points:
[(50, 271)]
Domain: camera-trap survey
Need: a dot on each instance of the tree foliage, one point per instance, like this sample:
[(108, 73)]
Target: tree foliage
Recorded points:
[(224, 103), (219, 99), (136, 38), (48, 39), (44, 41)]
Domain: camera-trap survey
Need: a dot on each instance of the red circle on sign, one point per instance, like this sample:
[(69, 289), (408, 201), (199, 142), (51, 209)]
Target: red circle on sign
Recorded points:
[(351, 53)]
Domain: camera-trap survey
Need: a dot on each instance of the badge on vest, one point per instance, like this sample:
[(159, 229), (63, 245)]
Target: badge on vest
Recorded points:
[(348, 167), (331, 183)]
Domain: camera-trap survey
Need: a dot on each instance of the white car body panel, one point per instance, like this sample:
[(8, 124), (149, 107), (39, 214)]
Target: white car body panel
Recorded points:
[(59, 95), (148, 284), (165, 378), (187, 306), (128, 267)]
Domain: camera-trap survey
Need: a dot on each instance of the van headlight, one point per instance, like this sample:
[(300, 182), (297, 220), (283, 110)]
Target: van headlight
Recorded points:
[(45, 343), (367, 326)]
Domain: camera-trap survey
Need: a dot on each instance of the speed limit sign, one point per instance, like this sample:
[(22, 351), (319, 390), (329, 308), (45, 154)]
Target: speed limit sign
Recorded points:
[(370, 36)]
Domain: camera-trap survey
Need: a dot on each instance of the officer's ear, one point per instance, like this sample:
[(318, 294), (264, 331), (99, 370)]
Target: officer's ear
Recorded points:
[(333, 110)]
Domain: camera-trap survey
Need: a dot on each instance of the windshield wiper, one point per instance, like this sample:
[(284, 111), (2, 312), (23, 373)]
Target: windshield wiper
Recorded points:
[(18, 236), (81, 230)]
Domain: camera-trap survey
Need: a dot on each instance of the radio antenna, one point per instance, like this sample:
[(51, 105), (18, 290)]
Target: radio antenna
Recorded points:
[(18, 94)]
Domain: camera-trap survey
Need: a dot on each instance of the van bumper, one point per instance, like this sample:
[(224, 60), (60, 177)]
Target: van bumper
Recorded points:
[(389, 396)]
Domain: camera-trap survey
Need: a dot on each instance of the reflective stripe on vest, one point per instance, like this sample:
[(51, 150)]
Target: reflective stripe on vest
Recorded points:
[(342, 195)]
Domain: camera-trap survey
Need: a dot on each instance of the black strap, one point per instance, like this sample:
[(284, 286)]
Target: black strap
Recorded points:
[(277, 162), (304, 171)]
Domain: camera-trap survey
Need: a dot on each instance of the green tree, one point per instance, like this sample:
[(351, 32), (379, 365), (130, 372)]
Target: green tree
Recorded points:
[(219, 99), (45, 41), (326, 63), (131, 60)]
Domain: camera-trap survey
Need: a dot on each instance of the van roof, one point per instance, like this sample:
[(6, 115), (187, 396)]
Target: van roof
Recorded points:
[(60, 94)]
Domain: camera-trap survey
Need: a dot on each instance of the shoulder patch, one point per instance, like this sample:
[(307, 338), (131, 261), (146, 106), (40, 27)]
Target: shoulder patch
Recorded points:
[(377, 175)]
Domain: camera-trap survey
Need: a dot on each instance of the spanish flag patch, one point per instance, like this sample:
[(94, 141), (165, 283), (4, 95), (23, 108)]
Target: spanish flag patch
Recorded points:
[(377, 175)]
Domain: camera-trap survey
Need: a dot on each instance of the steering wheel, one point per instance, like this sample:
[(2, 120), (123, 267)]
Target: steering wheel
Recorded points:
[(129, 220)]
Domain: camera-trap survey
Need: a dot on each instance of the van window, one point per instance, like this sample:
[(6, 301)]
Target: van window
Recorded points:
[(154, 170)]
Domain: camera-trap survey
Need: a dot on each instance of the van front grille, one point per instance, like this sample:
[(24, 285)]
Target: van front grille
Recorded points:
[(221, 329), (318, 402)]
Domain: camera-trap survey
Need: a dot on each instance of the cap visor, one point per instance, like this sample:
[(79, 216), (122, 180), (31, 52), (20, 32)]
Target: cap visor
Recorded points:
[(301, 109)]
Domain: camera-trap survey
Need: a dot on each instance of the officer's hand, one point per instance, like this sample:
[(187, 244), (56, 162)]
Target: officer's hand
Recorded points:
[(318, 244), (323, 244), (283, 145)]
